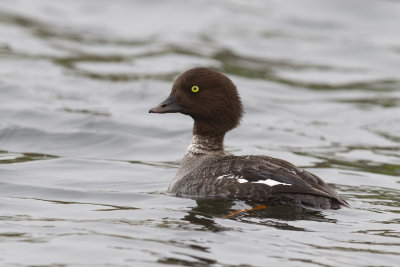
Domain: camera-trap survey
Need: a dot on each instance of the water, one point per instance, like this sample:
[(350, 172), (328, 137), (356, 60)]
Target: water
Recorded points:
[(84, 168)]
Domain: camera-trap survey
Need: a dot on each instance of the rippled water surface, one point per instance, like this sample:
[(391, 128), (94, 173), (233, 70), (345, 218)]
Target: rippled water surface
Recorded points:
[(84, 168)]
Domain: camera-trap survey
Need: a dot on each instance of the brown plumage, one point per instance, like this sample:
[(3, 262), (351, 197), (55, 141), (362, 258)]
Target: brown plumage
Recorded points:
[(221, 108)]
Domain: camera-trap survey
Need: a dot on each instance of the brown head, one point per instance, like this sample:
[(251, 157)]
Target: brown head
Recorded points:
[(209, 97)]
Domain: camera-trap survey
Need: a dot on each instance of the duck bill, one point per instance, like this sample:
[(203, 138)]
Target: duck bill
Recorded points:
[(169, 105)]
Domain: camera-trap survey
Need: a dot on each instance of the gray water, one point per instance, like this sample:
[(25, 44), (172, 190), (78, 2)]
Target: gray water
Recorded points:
[(84, 168)]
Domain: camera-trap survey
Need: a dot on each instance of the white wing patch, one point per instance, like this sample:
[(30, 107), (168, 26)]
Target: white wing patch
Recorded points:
[(270, 182), (241, 180)]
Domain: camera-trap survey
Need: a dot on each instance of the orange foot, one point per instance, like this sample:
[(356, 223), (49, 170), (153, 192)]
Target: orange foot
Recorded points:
[(259, 207)]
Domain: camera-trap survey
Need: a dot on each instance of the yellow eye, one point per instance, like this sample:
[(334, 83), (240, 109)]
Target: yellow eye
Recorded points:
[(195, 89)]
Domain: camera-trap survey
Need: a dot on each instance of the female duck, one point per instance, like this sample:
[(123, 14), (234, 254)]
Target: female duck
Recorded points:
[(206, 171)]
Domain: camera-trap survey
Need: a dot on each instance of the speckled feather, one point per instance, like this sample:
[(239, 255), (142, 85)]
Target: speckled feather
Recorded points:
[(204, 182)]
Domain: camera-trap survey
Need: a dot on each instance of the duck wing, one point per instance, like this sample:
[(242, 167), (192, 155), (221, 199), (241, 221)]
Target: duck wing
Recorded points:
[(258, 179), (263, 177), (280, 177)]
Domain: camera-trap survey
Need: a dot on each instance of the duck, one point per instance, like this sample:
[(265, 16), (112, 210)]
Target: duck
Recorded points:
[(208, 172)]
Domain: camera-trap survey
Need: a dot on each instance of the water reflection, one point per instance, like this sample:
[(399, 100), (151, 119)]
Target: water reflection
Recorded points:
[(277, 216), (7, 157), (332, 159), (180, 262)]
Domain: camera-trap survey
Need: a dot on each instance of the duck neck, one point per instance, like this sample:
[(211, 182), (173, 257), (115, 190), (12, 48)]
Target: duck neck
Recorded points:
[(207, 145)]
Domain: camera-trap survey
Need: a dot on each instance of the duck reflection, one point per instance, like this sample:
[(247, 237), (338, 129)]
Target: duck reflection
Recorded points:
[(278, 216)]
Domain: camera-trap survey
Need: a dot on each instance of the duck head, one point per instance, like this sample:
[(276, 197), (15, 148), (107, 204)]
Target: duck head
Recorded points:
[(209, 97)]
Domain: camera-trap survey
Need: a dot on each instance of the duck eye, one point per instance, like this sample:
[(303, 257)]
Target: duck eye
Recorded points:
[(195, 89)]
